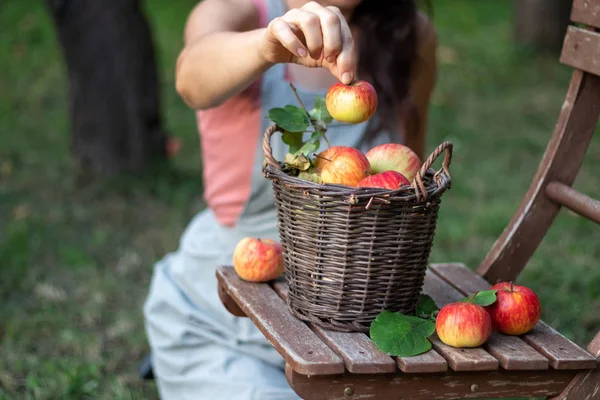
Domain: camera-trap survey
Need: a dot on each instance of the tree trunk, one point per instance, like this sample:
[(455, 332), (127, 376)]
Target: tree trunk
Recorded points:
[(542, 23), (113, 84)]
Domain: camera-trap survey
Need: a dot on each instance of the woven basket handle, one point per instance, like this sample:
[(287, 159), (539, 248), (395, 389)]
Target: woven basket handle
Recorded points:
[(268, 150), (446, 148)]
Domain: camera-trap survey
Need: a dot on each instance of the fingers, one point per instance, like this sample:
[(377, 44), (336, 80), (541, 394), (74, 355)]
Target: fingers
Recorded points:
[(283, 33), (321, 33), (346, 60), (310, 26), (331, 30)]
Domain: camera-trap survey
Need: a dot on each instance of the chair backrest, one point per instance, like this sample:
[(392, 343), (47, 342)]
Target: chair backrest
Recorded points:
[(551, 187)]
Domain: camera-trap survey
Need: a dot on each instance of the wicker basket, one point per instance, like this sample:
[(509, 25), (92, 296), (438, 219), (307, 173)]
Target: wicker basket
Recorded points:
[(351, 253)]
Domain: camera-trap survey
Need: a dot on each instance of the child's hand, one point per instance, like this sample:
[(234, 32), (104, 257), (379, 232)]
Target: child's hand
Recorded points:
[(313, 36)]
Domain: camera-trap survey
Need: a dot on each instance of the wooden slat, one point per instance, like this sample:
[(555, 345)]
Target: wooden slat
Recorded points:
[(445, 386), (373, 360), (464, 359), (574, 200), (561, 162), (514, 354), (297, 344), (428, 362), (581, 50), (228, 302), (356, 349), (459, 359), (586, 385), (560, 351), (586, 12), (511, 352)]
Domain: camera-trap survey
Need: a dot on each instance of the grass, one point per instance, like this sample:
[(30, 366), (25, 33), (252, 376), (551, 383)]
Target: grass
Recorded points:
[(76, 260)]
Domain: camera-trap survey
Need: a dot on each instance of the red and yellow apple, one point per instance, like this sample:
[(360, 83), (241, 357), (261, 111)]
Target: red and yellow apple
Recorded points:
[(463, 324), (258, 260), (395, 157), (353, 103), (385, 180), (517, 309), (347, 166), (327, 155)]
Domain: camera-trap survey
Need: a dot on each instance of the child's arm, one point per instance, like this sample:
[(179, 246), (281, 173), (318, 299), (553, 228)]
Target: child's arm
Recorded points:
[(224, 52)]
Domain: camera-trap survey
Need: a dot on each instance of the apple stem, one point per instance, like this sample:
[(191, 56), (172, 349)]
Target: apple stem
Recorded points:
[(472, 297), (512, 288), (317, 128), (300, 100), (321, 157)]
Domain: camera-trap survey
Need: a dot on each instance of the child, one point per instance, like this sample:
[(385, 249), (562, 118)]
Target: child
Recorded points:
[(238, 60)]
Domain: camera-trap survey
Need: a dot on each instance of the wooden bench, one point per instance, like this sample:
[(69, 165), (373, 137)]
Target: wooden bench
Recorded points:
[(322, 364)]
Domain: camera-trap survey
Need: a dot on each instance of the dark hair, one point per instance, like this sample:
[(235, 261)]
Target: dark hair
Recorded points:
[(388, 47)]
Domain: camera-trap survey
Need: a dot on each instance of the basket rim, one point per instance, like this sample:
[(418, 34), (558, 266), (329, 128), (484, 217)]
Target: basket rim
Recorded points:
[(435, 184), (426, 183)]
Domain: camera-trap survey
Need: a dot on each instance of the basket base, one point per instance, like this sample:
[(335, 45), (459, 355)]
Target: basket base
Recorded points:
[(332, 324)]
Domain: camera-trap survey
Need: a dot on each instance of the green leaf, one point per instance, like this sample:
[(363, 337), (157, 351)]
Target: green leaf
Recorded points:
[(401, 335), (293, 140), (426, 307), (320, 112), (309, 147), (290, 118), (483, 298), (316, 135)]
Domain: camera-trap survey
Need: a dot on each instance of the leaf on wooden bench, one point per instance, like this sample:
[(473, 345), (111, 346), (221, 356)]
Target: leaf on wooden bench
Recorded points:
[(401, 335)]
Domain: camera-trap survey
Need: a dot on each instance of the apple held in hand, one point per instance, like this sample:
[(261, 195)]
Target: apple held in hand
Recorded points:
[(463, 324), (517, 309), (395, 157), (258, 260), (386, 180), (347, 166), (353, 103)]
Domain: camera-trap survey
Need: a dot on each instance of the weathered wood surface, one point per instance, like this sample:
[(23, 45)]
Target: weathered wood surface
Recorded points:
[(513, 354), (581, 50), (560, 351), (574, 200), (449, 385), (586, 12), (586, 385), (561, 162), (228, 302), (297, 344), (360, 354), (510, 352), (428, 362)]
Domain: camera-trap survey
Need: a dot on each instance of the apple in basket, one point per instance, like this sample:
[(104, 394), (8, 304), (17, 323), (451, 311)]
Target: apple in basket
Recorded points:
[(258, 260), (395, 157), (342, 165), (353, 103), (463, 324), (386, 180)]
